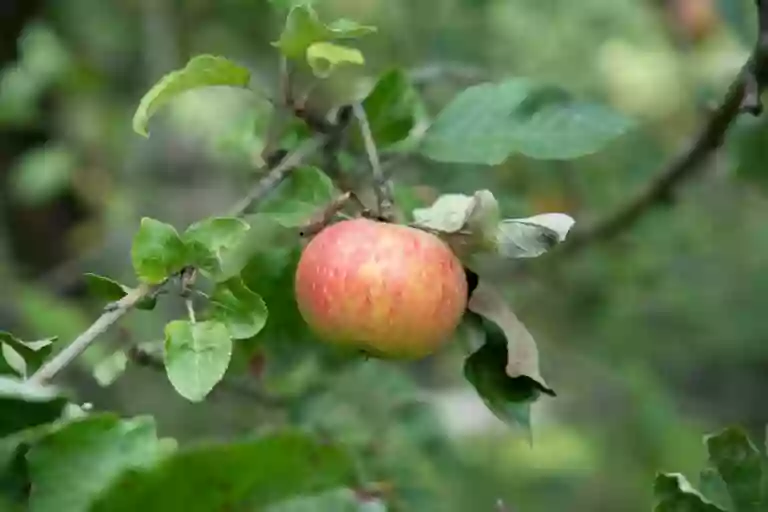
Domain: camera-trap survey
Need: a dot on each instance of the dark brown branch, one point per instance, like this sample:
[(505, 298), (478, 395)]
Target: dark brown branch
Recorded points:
[(742, 96)]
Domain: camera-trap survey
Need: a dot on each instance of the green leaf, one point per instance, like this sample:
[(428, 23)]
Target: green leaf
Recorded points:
[(338, 500), (157, 252), (714, 489), (532, 236), (200, 71), (110, 368), (486, 123), (741, 467), (242, 311), (196, 356), (391, 108), (324, 57), (24, 405), (246, 475), (522, 358), (303, 28), (298, 198), (72, 466), (106, 289), (509, 399), (25, 357), (42, 173), (210, 241), (675, 494)]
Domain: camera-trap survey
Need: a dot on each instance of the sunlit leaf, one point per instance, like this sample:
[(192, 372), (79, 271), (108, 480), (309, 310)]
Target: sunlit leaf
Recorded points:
[(196, 356), (200, 71), (157, 251), (324, 57), (250, 475), (299, 197)]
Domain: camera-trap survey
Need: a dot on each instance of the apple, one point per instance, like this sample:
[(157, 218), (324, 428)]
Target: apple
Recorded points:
[(389, 290)]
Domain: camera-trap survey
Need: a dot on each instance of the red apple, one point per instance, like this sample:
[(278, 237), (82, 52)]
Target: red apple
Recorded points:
[(387, 289)]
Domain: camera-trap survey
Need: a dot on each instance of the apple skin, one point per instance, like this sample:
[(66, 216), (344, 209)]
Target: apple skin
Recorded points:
[(389, 290)]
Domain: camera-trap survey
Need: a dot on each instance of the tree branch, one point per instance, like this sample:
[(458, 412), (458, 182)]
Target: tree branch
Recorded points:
[(743, 95), (120, 308), (382, 186)]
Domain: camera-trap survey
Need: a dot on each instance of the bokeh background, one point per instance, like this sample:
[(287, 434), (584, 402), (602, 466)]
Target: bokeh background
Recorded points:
[(652, 339)]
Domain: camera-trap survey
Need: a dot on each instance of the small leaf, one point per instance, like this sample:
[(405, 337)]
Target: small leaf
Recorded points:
[(303, 28), (72, 466), (522, 353), (475, 215), (714, 489), (157, 252), (111, 291), (210, 241), (675, 494), (110, 368), (532, 236), (246, 475), (24, 405), (741, 467), (324, 57), (200, 71), (391, 108), (486, 123), (242, 311), (299, 197), (14, 360), (196, 356), (33, 353)]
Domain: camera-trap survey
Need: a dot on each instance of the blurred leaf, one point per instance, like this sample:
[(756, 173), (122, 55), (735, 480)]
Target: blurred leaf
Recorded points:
[(324, 57), (299, 197), (522, 358), (714, 489), (110, 368), (242, 311), (248, 475), (196, 356), (675, 494), (209, 242), (200, 71), (72, 466), (303, 28), (24, 405), (42, 173), (339, 500), (391, 108), (157, 251), (32, 354), (532, 236), (13, 361), (741, 467), (486, 123), (111, 291)]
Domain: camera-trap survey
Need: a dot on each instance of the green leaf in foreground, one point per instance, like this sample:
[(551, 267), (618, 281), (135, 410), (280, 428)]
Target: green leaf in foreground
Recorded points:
[(674, 493), (391, 108), (157, 251), (486, 123), (109, 290), (242, 311), (72, 466), (210, 241), (532, 236), (299, 197), (24, 405), (196, 356), (324, 57), (248, 475), (740, 465), (303, 28), (24, 357), (200, 71)]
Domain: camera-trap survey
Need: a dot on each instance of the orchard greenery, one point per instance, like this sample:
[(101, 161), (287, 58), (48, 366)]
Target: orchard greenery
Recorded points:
[(235, 274)]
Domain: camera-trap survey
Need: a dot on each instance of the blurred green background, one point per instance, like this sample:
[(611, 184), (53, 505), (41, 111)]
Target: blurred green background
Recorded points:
[(651, 339)]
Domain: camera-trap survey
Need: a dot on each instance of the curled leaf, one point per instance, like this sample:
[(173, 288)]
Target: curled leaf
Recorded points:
[(324, 57), (532, 236)]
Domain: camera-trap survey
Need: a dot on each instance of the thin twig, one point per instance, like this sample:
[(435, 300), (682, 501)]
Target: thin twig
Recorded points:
[(322, 218), (114, 313), (382, 186), (742, 96)]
